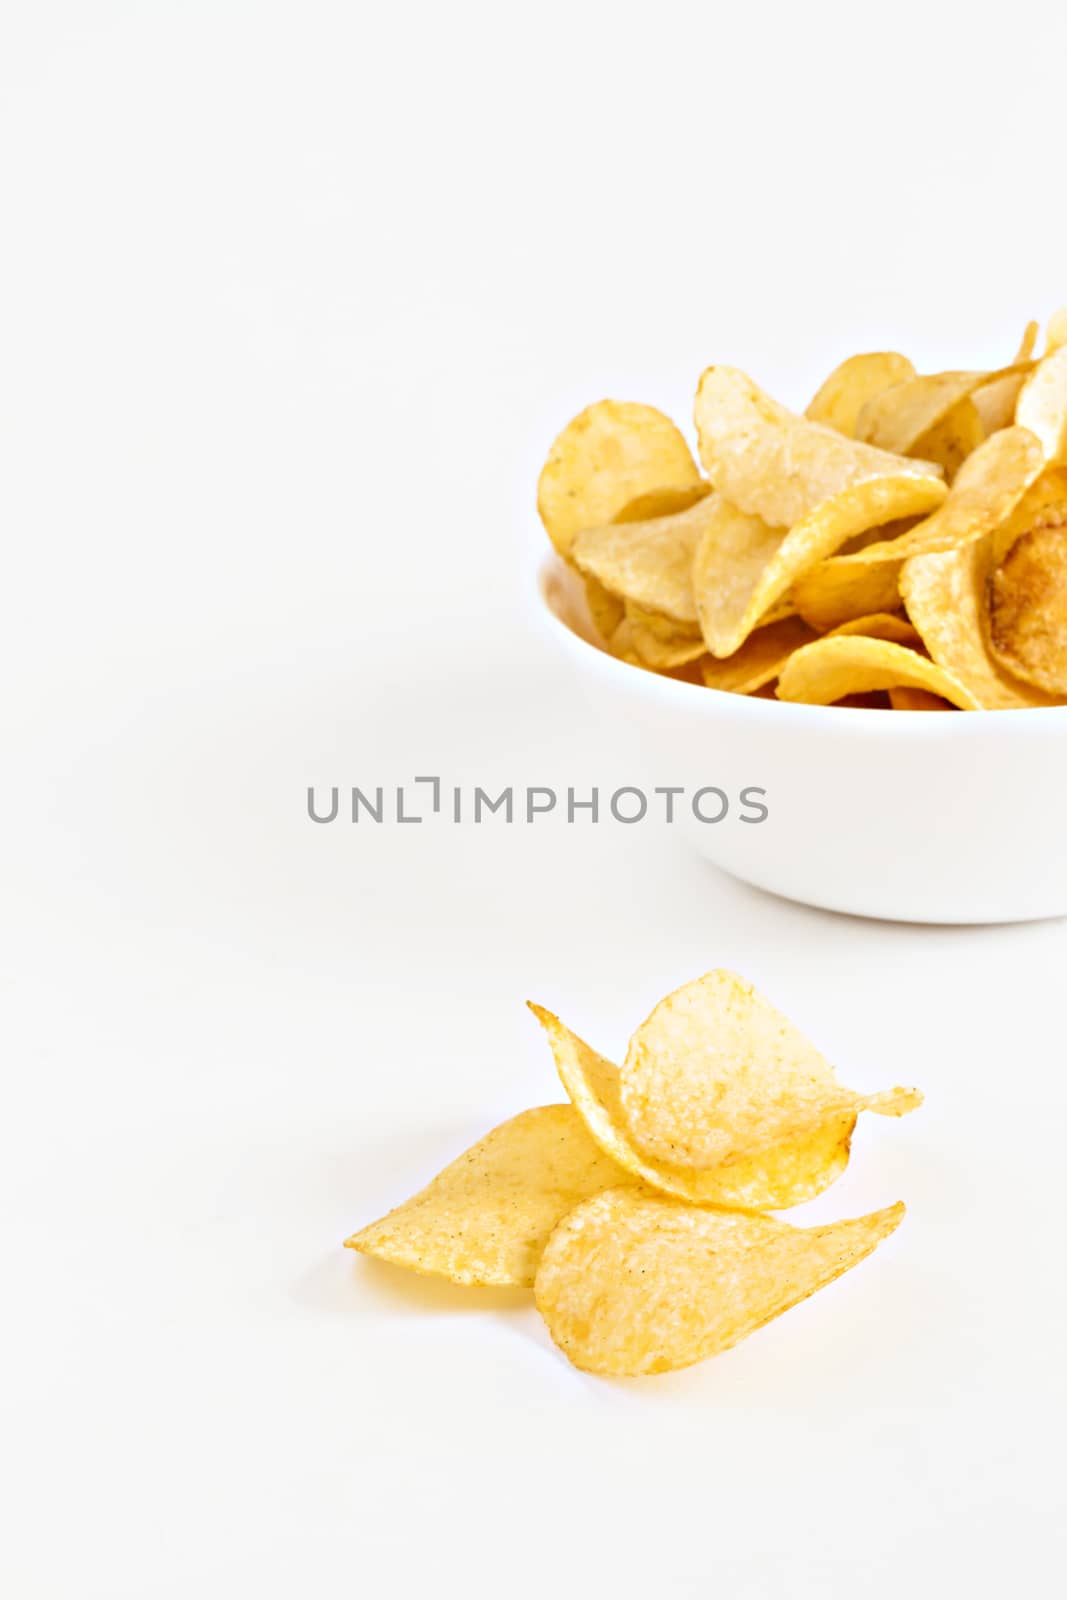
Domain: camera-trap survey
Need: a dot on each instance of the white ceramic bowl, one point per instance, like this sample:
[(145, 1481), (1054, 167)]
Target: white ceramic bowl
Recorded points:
[(913, 816)]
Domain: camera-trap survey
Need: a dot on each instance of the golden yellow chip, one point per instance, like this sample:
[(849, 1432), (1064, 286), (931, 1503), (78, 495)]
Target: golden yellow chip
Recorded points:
[(648, 563), (879, 625), (1042, 405), (631, 1284), (1028, 608), (833, 669), (656, 641), (760, 658), (996, 399), (945, 596), (850, 385), (715, 1074), (918, 700), (1057, 330), (485, 1219), (990, 484), (897, 418), (606, 609), (607, 456), (780, 471), (790, 1173), (949, 442), (1028, 342), (662, 503)]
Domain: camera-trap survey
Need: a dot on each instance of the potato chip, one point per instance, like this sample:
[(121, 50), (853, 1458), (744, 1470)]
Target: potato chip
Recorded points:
[(631, 1284), (655, 641), (832, 669), (897, 418), (790, 1173), (989, 486), (760, 658), (1042, 405), (1027, 599), (605, 457), (996, 399), (779, 471), (949, 442), (918, 700), (486, 1218), (880, 625), (1057, 330), (648, 563), (715, 1074), (1044, 505), (662, 503), (945, 596), (1028, 342), (606, 609), (850, 385)]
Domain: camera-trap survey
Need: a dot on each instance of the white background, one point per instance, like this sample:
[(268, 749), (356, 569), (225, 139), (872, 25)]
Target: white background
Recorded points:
[(292, 299)]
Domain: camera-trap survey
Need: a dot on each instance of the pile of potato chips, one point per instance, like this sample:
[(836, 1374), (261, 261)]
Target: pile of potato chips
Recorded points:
[(902, 544), (638, 1211)]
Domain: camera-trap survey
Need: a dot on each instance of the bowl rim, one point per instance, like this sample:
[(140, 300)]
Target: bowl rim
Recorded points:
[(867, 721)]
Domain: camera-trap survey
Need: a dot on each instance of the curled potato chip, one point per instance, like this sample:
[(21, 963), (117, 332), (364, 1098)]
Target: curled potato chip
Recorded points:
[(715, 1074), (485, 1219), (1027, 597), (996, 399), (846, 391), (897, 418), (662, 503), (833, 668), (945, 596), (779, 471), (1042, 405), (603, 460), (1057, 330), (796, 1170), (760, 658), (879, 625), (918, 700), (1028, 342), (949, 442), (631, 1284), (649, 563), (990, 484)]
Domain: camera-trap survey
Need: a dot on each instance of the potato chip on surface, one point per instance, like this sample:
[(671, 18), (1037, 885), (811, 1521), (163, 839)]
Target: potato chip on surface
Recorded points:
[(897, 418), (787, 473), (792, 1172), (605, 457), (631, 1284), (949, 442), (856, 380), (485, 1219), (945, 595), (1027, 599), (879, 625), (1042, 405), (715, 1073), (648, 563)]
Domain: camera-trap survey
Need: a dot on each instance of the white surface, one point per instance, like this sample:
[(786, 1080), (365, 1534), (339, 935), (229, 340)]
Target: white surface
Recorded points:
[(806, 801), (292, 299)]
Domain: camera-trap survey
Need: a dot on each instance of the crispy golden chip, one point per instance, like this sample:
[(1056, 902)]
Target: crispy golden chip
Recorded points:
[(715, 1074), (656, 641), (1057, 330), (607, 456), (1028, 343), (996, 399), (897, 418), (850, 385), (790, 1173), (1028, 608), (485, 1219), (879, 625), (631, 1284), (918, 700), (662, 503), (945, 596), (606, 609), (782, 472), (949, 442), (760, 658), (833, 668), (990, 484), (1042, 405), (648, 563)]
